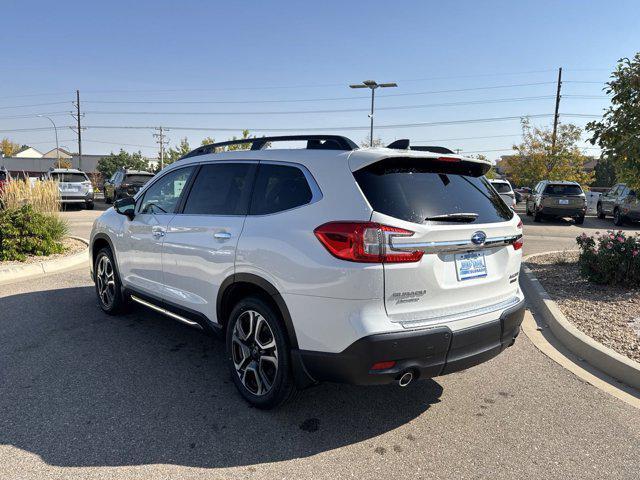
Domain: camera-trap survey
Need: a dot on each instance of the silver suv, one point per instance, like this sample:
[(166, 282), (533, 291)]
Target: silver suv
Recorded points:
[(621, 202), (74, 186)]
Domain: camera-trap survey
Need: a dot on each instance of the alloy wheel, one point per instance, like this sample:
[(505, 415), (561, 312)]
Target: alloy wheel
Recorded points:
[(254, 352), (105, 281)]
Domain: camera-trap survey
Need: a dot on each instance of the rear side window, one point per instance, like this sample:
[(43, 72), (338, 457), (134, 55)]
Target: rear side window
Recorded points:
[(279, 188), (137, 178), (413, 190), (562, 189), (501, 187), (69, 177), (221, 189)]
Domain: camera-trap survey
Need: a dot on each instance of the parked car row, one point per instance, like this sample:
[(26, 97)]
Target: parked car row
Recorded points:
[(557, 198)]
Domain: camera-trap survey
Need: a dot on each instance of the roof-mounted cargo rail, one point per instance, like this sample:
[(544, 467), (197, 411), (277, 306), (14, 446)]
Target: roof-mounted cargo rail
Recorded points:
[(405, 144), (314, 142)]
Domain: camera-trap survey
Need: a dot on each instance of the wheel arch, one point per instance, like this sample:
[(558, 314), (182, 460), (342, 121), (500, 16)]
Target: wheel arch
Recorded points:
[(98, 242), (240, 285)]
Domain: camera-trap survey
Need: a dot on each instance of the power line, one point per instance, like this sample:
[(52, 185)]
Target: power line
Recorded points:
[(342, 110), (322, 99), (466, 138), (29, 129), (32, 115), (34, 105)]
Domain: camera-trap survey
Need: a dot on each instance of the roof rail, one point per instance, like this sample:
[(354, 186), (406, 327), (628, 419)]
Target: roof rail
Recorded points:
[(404, 144), (314, 142)]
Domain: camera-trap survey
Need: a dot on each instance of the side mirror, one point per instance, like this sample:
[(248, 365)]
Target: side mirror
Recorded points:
[(125, 206)]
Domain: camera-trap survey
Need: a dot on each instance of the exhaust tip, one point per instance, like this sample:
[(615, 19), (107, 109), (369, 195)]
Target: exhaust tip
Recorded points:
[(405, 379)]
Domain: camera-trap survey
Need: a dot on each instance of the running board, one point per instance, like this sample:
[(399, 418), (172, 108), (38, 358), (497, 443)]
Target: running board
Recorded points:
[(166, 312)]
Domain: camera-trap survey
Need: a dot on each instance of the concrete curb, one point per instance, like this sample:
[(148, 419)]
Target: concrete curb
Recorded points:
[(603, 358), (14, 273)]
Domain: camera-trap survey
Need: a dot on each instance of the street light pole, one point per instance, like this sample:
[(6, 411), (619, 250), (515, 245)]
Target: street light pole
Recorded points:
[(372, 84), (56, 131)]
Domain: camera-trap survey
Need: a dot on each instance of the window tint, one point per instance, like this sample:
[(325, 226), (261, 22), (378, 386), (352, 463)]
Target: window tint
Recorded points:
[(163, 195), (501, 187), (138, 178), (279, 188), (69, 177), (562, 189), (221, 189), (409, 190)]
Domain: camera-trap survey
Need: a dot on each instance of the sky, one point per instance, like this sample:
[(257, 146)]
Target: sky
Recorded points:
[(466, 70)]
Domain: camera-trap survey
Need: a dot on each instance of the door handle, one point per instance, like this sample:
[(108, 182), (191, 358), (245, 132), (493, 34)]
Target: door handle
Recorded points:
[(222, 235)]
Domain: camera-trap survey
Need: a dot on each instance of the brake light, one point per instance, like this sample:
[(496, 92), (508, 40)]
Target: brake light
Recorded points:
[(366, 242), (448, 159), (519, 226), (519, 243), (383, 365)]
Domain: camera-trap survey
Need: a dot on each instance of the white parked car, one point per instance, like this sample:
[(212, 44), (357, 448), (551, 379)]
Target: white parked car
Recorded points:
[(503, 187), (74, 185), (329, 263)]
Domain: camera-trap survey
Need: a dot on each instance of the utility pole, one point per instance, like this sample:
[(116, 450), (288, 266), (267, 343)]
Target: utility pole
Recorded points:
[(162, 141), (78, 131), (557, 115)]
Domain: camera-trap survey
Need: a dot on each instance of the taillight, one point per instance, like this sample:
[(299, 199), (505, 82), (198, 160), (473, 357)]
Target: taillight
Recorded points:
[(449, 159), (518, 244), (367, 242)]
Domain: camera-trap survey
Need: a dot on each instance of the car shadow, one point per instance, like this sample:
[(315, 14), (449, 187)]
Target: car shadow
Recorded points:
[(81, 388)]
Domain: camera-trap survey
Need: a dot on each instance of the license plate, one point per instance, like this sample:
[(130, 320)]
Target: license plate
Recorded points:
[(563, 202), (470, 265)]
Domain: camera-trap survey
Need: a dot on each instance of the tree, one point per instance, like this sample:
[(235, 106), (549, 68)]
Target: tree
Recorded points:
[(9, 148), (618, 133), (112, 162), (534, 160), (179, 151), (208, 141), (605, 173), (492, 171), (377, 142)]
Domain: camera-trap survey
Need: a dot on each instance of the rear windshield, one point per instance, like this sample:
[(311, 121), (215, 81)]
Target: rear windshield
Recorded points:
[(563, 190), (411, 191), (69, 177), (138, 178), (501, 187)]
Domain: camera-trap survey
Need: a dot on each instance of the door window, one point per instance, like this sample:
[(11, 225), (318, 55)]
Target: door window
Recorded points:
[(221, 189), (163, 196), (279, 188)]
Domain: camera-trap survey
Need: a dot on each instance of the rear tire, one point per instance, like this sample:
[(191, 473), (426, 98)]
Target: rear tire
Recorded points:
[(107, 282), (618, 218), (89, 205), (258, 354), (580, 220), (600, 213), (527, 211), (537, 217)]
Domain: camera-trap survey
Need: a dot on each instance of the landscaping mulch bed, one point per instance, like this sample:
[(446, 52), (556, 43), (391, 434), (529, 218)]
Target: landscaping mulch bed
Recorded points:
[(71, 245), (610, 315)]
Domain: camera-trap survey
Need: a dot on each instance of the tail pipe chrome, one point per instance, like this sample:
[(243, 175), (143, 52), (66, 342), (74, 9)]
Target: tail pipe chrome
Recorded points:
[(405, 379)]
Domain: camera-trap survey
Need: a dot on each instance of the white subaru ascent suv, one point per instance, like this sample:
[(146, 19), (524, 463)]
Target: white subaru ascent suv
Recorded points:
[(326, 263)]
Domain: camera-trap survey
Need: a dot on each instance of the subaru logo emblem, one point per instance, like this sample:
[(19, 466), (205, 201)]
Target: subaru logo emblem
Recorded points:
[(478, 238)]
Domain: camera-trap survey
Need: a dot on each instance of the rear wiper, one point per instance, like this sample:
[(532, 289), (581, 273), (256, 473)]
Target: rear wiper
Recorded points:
[(454, 217)]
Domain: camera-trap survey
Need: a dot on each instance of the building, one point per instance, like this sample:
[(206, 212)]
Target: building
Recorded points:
[(29, 152), (36, 166), (53, 153)]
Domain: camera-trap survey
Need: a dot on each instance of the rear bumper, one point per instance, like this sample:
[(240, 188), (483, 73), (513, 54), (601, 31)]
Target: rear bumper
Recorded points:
[(563, 212), (77, 198), (426, 352)]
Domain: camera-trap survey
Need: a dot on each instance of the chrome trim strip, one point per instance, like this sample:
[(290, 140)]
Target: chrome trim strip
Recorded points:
[(166, 312), (454, 245), (503, 305)]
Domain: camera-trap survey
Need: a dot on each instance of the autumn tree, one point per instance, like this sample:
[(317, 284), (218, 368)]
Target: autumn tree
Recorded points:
[(534, 159), (618, 133), (9, 148), (174, 153)]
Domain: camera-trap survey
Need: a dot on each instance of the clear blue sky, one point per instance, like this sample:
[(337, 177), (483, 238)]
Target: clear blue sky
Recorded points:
[(206, 51)]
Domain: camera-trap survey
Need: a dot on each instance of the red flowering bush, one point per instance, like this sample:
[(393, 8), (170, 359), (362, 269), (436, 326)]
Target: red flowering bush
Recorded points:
[(611, 258)]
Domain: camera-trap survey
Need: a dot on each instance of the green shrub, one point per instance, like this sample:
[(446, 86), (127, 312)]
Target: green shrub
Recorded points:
[(24, 231), (612, 258)]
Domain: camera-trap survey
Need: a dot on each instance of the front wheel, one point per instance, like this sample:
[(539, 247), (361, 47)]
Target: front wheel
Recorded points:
[(107, 281), (527, 211), (600, 212), (258, 354)]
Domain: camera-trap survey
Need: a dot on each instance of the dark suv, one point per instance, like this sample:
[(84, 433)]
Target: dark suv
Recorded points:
[(621, 202), (125, 183), (557, 199)]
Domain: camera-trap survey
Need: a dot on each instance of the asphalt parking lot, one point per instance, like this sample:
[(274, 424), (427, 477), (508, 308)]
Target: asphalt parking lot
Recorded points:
[(85, 395)]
